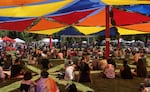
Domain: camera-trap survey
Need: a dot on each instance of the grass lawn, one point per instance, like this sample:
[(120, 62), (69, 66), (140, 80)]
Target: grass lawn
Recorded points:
[(99, 84)]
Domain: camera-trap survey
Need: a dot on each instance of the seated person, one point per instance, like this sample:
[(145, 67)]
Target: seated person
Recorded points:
[(27, 85), (143, 88), (17, 69), (147, 81), (141, 70), (103, 63), (125, 71), (46, 84), (109, 71), (46, 63), (84, 72)]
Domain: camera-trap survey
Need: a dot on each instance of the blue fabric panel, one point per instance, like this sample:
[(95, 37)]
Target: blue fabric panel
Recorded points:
[(80, 5), (144, 9), (70, 31)]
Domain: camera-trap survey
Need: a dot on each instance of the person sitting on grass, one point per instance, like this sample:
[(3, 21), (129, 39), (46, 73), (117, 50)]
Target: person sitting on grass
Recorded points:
[(125, 71), (109, 71), (143, 88), (46, 84), (84, 71), (45, 63), (146, 82), (141, 70), (27, 85), (17, 69)]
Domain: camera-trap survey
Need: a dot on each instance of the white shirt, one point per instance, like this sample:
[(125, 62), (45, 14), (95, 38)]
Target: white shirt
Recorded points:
[(69, 75)]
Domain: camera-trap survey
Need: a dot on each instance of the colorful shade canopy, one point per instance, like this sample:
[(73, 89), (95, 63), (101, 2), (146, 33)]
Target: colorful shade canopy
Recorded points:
[(125, 2), (73, 17), (45, 24), (48, 31), (98, 19), (18, 2), (70, 31), (17, 25), (89, 30), (144, 27), (8, 19), (125, 31), (33, 10), (79, 5), (113, 32), (126, 18), (143, 9)]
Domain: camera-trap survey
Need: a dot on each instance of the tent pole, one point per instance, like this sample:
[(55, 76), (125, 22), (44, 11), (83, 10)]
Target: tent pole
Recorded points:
[(50, 41), (107, 35), (118, 41)]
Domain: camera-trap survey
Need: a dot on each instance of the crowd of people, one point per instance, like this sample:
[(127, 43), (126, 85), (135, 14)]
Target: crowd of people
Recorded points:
[(84, 60)]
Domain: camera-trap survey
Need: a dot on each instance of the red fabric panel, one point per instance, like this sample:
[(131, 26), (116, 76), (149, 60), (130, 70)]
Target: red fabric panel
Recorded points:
[(16, 25), (125, 17), (72, 17)]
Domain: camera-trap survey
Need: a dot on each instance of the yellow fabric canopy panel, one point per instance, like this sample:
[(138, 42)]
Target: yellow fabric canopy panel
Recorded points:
[(33, 10), (124, 31), (125, 2), (48, 31), (18, 2), (89, 30)]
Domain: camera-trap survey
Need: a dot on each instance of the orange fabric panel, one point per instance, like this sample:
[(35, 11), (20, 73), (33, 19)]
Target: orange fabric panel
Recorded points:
[(45, 24), (18, 2), (144, 27), (98, 19)]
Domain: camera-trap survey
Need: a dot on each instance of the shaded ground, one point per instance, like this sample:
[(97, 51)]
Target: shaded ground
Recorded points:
[(99, 84)]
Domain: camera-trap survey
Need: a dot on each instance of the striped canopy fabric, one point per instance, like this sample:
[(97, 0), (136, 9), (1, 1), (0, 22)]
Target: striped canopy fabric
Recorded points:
[(18, 2), (87, 16), (33, 10), (73, 17), (125, 2), (98, 19)]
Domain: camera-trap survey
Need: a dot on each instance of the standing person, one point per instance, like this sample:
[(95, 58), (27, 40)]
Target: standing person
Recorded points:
[(46, 84), (69, 71), (27, 85)]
